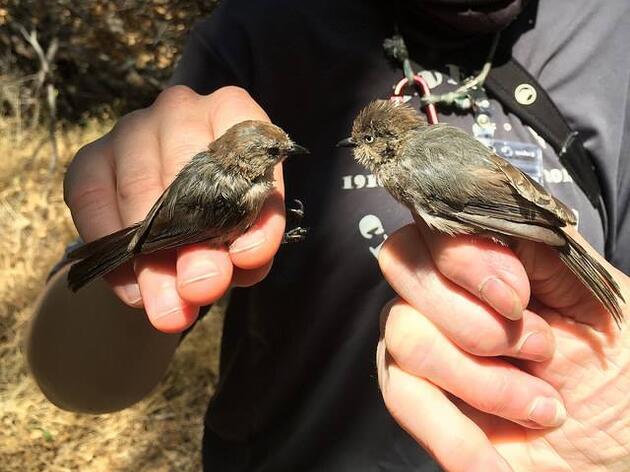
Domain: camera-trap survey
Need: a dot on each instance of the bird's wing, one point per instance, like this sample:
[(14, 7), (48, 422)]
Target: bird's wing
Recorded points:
[(514, 197), (144, 227), (531, 190), (191, 209), (464, 181), (197, 219), (218, 221)]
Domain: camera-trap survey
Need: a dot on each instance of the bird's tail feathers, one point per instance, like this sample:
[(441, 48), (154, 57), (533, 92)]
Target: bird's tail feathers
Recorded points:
[(100, 257), (594, 276)]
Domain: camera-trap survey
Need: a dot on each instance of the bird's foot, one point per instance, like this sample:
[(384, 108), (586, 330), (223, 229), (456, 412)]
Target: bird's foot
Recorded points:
[(296, 214), (294, 235)]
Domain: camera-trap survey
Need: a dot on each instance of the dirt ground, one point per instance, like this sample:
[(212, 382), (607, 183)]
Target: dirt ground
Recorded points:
[(161, 433)]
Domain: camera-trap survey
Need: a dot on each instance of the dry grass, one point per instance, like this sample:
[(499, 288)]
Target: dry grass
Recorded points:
[(163, 432)]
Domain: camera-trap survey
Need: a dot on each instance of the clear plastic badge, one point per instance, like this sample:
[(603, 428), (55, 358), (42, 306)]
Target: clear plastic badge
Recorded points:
[(526, 156)]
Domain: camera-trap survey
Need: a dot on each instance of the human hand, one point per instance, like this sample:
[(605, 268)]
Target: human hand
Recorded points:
[(443, 375), (113, 182)]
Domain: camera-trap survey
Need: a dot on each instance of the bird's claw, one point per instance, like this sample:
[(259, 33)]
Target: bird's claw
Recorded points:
[(294, 235), (296, 214)]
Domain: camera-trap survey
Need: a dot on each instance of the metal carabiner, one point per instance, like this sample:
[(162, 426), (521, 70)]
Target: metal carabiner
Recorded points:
[(423, 87)]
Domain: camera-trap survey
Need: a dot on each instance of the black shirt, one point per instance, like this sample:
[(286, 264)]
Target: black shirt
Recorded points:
[(298, 388)]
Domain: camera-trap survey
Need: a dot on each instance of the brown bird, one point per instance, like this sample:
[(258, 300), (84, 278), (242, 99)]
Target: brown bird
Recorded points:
[(216, 197), (459, 186)]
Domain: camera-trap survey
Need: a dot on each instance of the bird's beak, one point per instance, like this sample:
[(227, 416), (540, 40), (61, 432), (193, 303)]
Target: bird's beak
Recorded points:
[(348, 142), (296, 149)]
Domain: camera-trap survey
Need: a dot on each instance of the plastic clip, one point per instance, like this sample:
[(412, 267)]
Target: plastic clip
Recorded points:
[(425, 91)]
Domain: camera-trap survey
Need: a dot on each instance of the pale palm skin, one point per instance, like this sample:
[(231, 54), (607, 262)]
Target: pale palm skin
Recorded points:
[(596, 434), (589, 367)]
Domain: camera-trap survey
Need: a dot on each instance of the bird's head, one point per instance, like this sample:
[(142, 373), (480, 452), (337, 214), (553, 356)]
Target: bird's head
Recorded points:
[(379, 130), (253, 148)]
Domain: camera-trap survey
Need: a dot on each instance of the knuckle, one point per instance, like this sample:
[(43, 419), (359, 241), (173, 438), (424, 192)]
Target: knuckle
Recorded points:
[(495, 398), (77, 183), (229, 92), (459, 445), (175, 97), (412, 350), (129, 123), (499, 260), (385, 257), (451, 262), (391, 394), (388, 256), (478, 341), (177, 152), (131, 185), (227, 99), (385, 311), (396, 393), (88, 193)]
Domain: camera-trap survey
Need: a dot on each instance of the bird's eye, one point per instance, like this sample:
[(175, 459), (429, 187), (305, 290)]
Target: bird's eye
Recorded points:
[(369, 139), (274, 151)]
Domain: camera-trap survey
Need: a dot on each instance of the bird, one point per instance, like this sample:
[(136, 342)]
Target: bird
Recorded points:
[(215, 197), (457, 185)]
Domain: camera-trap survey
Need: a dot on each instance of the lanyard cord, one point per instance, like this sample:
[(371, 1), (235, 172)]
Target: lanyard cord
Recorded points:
[(396, 49)]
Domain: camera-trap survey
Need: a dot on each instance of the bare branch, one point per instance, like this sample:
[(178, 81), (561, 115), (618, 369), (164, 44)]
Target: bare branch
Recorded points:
[(44, 76)]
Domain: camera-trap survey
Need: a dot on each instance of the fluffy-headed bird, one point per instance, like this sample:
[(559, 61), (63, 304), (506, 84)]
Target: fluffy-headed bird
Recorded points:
[(215, 197), (459, 186)]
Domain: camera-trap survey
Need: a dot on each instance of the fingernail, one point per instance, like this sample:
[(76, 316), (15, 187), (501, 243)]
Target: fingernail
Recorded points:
[(536, 346), (132, 294), (200, 269), (501, 297), (167, 304), (548, 412), (248, 241)]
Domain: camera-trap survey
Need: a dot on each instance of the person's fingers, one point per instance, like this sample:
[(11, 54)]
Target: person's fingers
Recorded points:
[(157, 278), (425, 412), (203, 273), (90, 191), (125, 285), (138, 171), (229, 106), (145, 151), (573, 233), (249, 277), (485, 268), (554, 285), (490, 385), (257, 247), (183, 128), (470, 323), (139, 184)]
